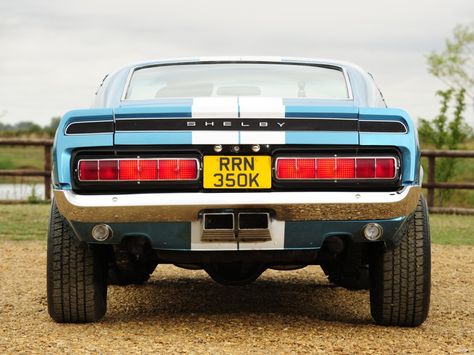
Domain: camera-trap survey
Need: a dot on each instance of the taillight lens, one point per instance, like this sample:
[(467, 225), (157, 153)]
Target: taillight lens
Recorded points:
[(89, 170), (108, 169), (138, 169), (337, 168)]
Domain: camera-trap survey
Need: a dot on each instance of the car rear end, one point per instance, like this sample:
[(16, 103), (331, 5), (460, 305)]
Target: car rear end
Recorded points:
[(310, 180), (237, 184)]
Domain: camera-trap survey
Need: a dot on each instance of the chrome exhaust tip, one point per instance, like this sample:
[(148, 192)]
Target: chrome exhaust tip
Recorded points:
[(218, 226), (253, 226)]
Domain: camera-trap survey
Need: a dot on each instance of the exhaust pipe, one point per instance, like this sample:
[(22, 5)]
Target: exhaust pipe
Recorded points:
[(254, 226), (218, 226)]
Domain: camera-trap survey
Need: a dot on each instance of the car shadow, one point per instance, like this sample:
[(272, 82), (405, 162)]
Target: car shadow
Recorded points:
[(169, 298)]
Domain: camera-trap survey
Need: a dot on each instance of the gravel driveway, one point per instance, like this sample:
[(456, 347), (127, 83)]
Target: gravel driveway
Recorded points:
[(184, 311)]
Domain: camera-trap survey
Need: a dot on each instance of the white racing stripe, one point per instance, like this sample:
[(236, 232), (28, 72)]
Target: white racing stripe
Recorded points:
[(255, 137), (233, 107), (262, 107), (215, 107), (215, 137)]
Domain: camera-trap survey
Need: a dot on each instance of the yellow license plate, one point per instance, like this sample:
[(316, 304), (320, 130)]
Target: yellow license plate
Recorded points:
[(237, 172)]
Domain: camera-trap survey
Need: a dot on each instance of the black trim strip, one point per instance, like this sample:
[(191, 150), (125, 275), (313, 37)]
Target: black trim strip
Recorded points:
[(237, 124), (90, 127), (382, 127)]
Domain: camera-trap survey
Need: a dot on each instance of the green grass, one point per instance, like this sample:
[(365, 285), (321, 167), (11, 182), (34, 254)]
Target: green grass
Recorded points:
[(449, 229), (24, 222), (463, 172), (18, 157), (30, 222)]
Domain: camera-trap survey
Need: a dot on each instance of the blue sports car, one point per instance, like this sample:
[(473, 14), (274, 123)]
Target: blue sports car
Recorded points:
[(235, 165)]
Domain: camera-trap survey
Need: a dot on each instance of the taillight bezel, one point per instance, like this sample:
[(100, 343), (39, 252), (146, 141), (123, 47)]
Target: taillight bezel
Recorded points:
[(394, 178), (137, 159)]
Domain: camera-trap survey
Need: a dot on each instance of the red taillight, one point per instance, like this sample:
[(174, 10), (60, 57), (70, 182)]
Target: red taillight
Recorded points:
[(88, 170), (108, 170), (178, 169), (384, 168), (345, 168), (187, 170), (138, 169), (148, 169), (365, 168), (296, 168), (325, 168), (128, 169)]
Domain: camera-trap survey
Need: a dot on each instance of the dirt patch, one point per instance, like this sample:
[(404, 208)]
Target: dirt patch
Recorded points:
[(185, 311)]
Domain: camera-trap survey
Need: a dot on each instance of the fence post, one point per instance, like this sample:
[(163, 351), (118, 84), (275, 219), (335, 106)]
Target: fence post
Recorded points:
[(47, 168), (431, 180)]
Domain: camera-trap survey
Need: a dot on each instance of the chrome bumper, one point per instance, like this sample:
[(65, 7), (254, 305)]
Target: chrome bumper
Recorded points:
[(288, 206)]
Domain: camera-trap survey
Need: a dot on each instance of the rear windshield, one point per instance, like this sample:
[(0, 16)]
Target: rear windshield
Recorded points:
[(237, 79)]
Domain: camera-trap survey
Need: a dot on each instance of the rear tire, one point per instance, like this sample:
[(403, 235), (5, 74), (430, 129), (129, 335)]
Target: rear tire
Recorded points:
[(401, 278), (76, 275)]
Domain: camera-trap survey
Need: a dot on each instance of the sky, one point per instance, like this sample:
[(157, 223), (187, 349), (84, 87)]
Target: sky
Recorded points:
[(53, 54)]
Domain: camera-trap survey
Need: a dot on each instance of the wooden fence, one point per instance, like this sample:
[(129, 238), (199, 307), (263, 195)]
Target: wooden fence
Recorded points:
[(45, 173), (431, 185)]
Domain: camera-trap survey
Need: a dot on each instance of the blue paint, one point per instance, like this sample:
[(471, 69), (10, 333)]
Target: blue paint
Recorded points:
[(311, 110), (64, 145), (311, 234), (298, 235), (319, 138), (154, 111), (162, 235), (407, 143), (153, 138)]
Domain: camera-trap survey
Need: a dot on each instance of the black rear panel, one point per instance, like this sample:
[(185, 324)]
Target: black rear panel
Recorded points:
[(196, 151)]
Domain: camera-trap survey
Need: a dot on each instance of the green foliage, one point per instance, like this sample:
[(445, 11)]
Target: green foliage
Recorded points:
[(454, 64), (53, 126), (445, 133), (6, 163), (442, 132), (28, 128), (34, 198)]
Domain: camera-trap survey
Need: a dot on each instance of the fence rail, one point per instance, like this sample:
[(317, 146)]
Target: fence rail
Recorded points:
[(45, 173), (431, 185)]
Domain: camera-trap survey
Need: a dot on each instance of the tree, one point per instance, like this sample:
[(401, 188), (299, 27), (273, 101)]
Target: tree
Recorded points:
[(454, 65), (445, 133), (53, 125)]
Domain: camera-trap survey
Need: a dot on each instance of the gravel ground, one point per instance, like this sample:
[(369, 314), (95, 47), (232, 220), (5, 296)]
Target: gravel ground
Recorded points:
[(184, 311)]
